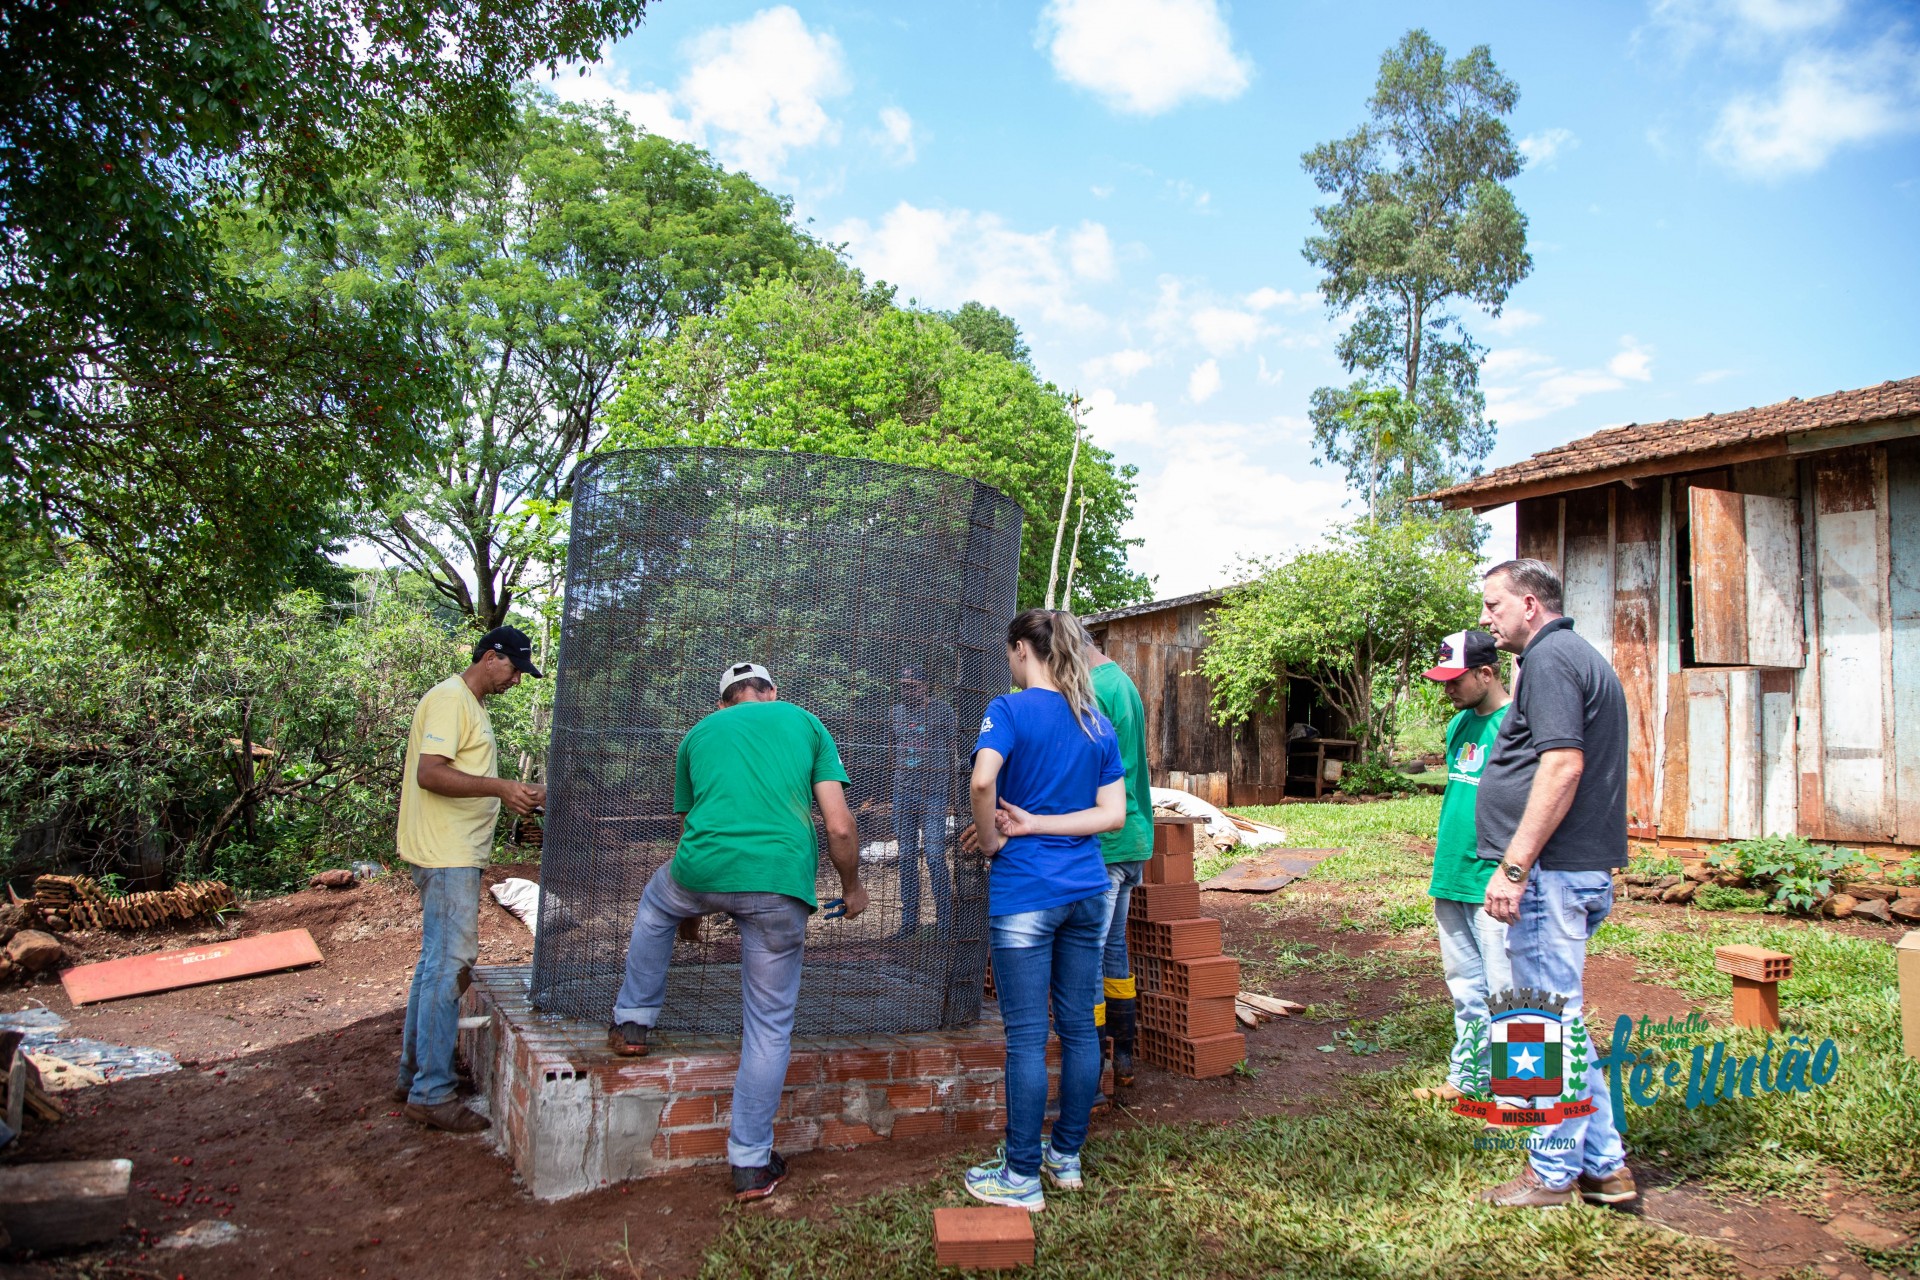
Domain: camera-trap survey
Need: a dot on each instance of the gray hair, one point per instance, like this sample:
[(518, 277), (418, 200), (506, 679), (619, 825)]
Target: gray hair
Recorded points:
[(1535, 578)]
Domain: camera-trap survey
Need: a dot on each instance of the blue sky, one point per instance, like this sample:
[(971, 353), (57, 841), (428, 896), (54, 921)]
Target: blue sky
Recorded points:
[(1723, 196)]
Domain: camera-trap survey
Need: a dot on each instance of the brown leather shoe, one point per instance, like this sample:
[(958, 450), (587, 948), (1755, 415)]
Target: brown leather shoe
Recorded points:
[(1528, 1192), (451, 1116), (399, 1095), (1616, 1188), (628, 1039)]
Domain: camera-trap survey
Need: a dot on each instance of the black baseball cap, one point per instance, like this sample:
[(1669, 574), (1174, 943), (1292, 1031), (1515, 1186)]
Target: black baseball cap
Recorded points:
[(513, 643), (1461, 652)]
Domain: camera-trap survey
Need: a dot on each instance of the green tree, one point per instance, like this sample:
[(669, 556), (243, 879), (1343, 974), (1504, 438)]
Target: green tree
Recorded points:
[(272, 747), (829, 366), (1421, 220), (199, 431), (984, 328), (542, 265), (1353, 617)]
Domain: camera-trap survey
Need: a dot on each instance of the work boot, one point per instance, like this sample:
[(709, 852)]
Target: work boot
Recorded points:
[(449, 1116), (628, 1039), (1528, 1192), (758, 1184), (1121, 1023), (400, 1095), (1616, 1188)]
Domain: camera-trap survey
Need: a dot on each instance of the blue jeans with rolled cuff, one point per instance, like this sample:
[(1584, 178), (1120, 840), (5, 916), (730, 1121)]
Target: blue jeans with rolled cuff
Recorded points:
[(773, 933), (1473, 957)]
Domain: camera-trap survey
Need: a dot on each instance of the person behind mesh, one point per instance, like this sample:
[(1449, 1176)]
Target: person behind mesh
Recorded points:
[(746, 778), (1047, 780), (922, 737)]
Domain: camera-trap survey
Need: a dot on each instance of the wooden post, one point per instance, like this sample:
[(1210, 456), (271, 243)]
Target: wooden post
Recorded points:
[(1757, 974)]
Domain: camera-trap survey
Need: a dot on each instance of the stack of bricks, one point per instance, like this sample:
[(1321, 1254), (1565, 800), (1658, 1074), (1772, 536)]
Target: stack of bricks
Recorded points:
[(1186, 986)]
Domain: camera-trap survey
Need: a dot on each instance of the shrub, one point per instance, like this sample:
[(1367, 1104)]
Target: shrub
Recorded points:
[(1373, 776), (1654, 864), (1798, 873)]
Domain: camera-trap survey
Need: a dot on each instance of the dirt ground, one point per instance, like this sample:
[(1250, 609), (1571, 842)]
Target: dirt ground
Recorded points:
[(280, 1122)]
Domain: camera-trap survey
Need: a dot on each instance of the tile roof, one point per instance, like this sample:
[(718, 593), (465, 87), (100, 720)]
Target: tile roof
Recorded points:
[(1750, 432)]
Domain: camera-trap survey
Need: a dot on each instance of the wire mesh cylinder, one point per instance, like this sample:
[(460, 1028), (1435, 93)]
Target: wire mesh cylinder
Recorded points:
[(839, 575)]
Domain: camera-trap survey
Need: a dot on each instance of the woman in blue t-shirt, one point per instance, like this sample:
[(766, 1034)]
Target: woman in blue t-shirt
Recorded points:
[(1047, 780)]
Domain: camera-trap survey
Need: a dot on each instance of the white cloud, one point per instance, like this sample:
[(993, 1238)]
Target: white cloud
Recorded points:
[(1217, 498), (753, 92), (1266, 299), (1687, 24), (1224, 330), (1634, 361), (944, 257), (1119, 366), (1513, 320), (1543, 148), (1090, 250), (1144, 57), (1712, 376), (1203, 381), (896, 137), (1821, 103), (1112, 422), (1522, 384), (1270, 377)]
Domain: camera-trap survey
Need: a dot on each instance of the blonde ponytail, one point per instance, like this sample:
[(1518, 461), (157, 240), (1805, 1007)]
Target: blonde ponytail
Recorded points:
[(1057, 637)]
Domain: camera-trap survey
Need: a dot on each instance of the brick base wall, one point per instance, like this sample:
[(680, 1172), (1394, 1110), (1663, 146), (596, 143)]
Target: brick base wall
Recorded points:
[(571, 1115)]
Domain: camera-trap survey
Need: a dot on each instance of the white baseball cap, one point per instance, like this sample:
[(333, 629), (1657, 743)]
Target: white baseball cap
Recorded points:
[(742, 671)]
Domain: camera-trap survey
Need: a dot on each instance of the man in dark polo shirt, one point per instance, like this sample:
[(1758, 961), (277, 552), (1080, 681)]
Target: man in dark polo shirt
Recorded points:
[(1553, 813)]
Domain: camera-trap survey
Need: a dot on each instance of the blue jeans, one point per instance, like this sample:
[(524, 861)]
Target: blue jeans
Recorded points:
[(1041, 957), (1122, 877), (1547, 948), (1473, 956), (920, 830), (449, 944), (773, 931)]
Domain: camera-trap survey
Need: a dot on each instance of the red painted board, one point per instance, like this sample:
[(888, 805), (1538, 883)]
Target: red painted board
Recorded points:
[(190, 966)]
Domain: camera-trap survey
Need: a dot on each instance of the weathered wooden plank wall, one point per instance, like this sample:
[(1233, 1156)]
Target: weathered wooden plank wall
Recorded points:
[(1636, 648), (1903, 545), (1852, 620)]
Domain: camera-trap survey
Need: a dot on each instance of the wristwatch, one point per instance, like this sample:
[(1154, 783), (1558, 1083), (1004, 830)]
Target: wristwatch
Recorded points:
[(1514, 871)]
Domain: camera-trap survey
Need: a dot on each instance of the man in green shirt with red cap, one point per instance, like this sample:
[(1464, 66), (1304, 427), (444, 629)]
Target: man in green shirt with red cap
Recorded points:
[(1473, 945)]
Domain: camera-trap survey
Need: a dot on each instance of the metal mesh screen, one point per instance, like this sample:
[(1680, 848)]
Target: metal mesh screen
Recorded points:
[(837, 574)]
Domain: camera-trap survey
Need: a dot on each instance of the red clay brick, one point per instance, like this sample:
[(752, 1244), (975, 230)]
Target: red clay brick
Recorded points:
[(1165, 902), (910, 1097), (692, 1075), (1203, 977), (1195, 1019), (815, 1100), (693, 1109), (976, 1121), (838, 1133), (860, 1064), (985, 1237), (1173, 837), (806, 1068), (982, 1055), (796, 1135), (1169, 869), (694, 1144), (920, 1124), (939, 1060)]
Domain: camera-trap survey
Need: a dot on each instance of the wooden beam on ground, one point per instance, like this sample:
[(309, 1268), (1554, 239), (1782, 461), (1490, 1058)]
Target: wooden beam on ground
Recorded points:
[(64, 1203), (190, 966)]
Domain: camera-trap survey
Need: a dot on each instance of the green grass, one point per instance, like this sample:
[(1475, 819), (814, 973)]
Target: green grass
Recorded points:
[(1384, 881), (1374, 1188), (1371, 1186)]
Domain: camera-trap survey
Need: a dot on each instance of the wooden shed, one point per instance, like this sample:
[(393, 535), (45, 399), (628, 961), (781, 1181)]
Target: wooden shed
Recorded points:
[(1754, 577), (1159, 646)]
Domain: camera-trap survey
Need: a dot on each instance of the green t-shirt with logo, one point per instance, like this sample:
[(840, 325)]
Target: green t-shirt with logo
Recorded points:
[(1459, 872), (1119, 701), (744, 777)]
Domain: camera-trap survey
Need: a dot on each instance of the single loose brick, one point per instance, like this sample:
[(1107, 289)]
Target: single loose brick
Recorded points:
[(986, 1237)]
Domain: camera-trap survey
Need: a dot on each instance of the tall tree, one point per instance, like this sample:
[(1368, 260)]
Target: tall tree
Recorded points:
[(830, 366), (130, 358), (543, 266), (1421, 220)]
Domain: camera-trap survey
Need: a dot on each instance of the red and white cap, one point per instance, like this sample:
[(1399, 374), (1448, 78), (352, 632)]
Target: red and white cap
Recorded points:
[(1461, 652)]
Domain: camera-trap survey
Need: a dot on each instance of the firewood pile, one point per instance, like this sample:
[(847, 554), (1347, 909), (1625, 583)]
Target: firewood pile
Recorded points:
[(79, 902)]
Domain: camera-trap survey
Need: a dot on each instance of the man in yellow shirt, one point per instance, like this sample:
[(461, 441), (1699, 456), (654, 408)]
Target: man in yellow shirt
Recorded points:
[(450, 798)]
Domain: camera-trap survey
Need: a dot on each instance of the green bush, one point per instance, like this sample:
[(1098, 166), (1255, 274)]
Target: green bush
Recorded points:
[(1653, 864), (1719, 897), (1373, 776), (108, 750), (1798, 873)]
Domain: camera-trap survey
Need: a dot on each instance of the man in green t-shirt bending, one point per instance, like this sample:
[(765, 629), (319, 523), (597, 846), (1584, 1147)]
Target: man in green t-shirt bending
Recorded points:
[(747, 778), (1473, 945), (1125, 852)]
